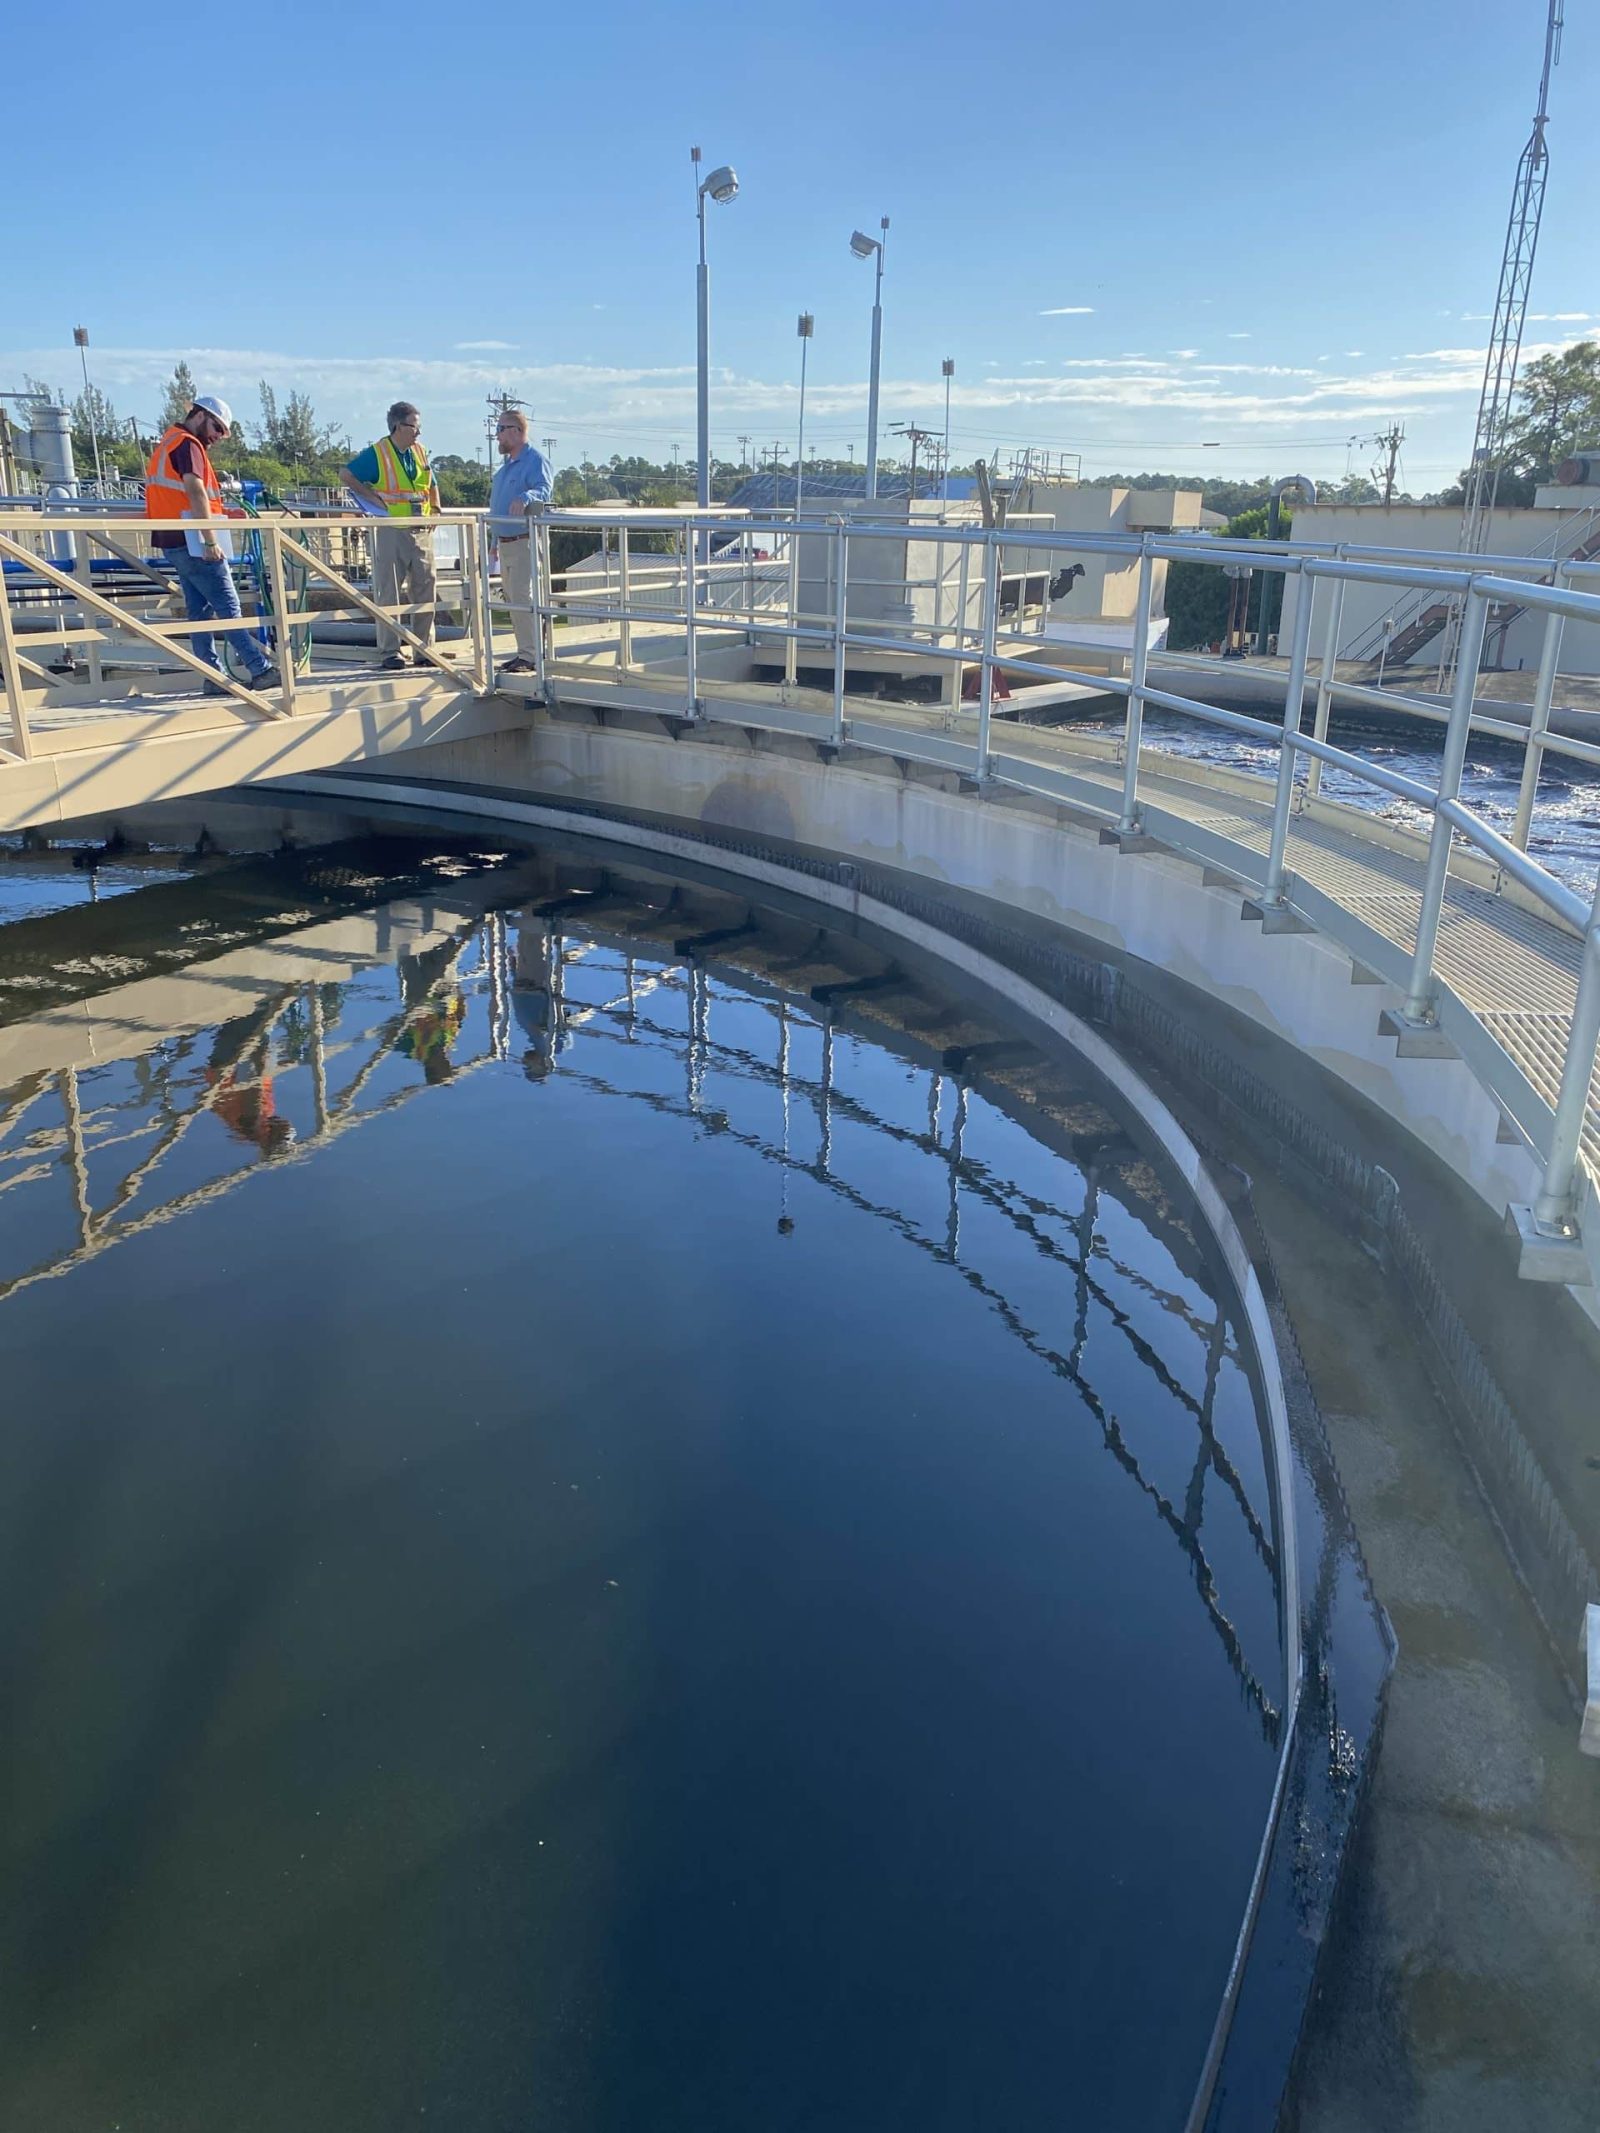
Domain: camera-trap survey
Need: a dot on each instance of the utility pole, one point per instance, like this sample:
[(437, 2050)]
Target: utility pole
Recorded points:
[(744, 451), (916, 436), (549, 445), (1389, 442), (499, 403)]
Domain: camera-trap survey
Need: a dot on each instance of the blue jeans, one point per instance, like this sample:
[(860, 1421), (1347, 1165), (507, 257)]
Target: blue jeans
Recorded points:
[(209, 593)]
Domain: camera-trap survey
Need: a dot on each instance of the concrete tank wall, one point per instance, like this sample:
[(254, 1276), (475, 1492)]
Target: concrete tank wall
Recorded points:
[(1015, 850)]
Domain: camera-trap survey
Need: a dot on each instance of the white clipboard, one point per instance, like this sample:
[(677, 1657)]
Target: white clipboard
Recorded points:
[(217, 533)]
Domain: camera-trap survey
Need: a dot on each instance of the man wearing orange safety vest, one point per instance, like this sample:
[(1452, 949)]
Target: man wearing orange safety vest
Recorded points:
[(180, 484), (394, 473)]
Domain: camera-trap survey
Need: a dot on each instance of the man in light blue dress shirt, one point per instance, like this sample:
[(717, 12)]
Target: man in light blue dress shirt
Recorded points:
[(522, 478)]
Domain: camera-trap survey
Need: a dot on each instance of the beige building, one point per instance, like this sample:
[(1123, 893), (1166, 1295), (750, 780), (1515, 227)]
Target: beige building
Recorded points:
[(1561, 522)]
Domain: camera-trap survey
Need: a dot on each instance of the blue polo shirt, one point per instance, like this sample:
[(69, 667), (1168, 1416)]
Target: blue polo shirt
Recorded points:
[(524, 474)]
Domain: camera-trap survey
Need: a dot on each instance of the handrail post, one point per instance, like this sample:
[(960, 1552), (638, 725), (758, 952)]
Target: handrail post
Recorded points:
[(1538, 724), (1328, 675), (791, 659), (485, 609), (472, 564), (1293, 706), (84, 561), (11, 674), (841, 566), (1557, 1202), (541, 599), (990, 620), (1134, 726), (1420, 988), (277, 585), (625, 626), (689, 541)]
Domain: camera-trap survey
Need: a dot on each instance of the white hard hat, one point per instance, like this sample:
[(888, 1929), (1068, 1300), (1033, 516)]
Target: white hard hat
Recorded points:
[(220, 408)]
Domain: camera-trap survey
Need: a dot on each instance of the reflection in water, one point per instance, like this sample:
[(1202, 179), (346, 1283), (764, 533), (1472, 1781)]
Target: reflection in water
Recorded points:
[(823, 1705)]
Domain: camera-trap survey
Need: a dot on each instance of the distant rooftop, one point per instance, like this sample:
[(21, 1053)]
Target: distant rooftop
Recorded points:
[(776, 492)]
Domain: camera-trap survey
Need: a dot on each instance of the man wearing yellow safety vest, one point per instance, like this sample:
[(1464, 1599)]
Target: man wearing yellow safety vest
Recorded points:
[(394, 473)]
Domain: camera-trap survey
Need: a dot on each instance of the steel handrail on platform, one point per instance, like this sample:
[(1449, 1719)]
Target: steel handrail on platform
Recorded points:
[(965, 622), (977, 646)]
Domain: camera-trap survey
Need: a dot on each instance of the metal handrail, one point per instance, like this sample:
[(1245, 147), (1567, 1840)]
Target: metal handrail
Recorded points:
[(975, 642)]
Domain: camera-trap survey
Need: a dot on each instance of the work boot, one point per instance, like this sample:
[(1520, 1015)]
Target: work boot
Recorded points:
[(396, 662)]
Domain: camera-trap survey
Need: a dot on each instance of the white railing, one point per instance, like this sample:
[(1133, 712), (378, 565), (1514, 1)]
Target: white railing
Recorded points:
[(977, 647), (816, 617), (85, 579)]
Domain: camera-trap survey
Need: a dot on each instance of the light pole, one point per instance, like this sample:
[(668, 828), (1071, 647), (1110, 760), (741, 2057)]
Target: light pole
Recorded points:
[(949, 368), (803, 329), (80, 335), (867, 248), (722, 184)]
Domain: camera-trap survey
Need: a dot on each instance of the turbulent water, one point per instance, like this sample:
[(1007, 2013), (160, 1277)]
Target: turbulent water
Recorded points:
[(1566, 823)]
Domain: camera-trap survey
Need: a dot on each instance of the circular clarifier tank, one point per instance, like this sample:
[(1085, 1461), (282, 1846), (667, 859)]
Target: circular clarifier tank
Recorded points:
[(617, 1512)]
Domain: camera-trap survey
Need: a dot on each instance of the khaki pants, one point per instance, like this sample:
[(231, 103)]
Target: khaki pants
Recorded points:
[(516, 582), (402, 571)]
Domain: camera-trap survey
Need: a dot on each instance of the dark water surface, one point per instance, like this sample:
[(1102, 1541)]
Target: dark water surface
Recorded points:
[(585, 1547)]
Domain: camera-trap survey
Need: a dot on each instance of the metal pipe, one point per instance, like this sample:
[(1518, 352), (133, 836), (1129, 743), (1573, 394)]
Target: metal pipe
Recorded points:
[(539, 593), (991, 603), (1293, 705), (625, 631), (1538, 726), (1325, 681), (841, 562), (1134, 726), (1421, 987), (1562, 902), (1558, 1195), (690, 662)]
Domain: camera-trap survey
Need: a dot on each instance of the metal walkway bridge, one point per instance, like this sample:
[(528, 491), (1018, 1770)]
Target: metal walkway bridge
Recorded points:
[(933, 643)]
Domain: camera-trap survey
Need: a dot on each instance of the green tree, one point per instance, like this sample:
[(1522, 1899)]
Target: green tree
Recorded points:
[(180, 395), (291, 433), (1197, 593), (463, 483), (94, 418), (1558, 411)]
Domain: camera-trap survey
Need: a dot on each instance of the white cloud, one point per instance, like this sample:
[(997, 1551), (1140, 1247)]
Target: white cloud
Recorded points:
[(1354, 355), (1238, 336), (645, 406), (487, 347), (1068, 311)]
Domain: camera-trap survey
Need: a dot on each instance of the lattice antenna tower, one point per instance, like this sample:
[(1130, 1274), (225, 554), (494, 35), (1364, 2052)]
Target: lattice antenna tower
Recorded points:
[(1510, 311)]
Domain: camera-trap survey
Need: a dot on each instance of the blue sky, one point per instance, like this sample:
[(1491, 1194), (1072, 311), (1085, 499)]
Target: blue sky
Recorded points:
[(1136, 229)]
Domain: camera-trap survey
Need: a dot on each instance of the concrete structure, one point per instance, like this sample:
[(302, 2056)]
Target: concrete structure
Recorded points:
[(1560, 522)]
